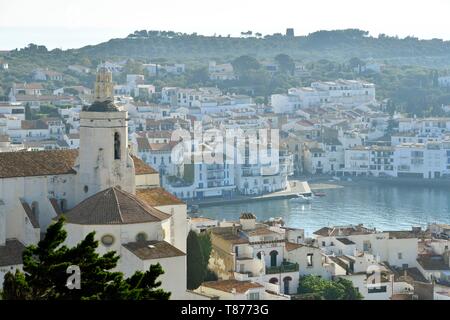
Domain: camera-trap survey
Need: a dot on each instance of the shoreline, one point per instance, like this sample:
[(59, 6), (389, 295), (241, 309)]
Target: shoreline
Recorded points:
[(278, 195), (324, 183)]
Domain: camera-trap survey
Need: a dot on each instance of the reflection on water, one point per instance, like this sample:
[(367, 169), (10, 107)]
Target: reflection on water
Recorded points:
[(382, 207)]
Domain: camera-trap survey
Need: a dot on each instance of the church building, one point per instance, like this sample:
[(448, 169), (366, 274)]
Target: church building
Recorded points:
[(100, 188)]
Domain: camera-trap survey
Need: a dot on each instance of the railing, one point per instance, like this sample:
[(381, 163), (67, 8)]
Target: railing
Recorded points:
[(284, 267)]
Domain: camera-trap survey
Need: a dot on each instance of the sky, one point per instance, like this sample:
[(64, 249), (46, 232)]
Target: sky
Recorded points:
[(73, 24)]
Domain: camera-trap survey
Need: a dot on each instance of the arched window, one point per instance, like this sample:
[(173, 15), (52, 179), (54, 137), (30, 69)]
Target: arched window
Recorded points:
[(141, 237), (273, 258), (116, 146), (259, 255), (286, 282), (273, 280)]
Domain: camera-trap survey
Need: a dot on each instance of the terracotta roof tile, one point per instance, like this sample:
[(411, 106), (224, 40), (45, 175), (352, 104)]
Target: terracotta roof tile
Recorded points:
[(114, 206), (143, 144), (32, 85), (50, 162), (37, 163), (157, 197), (11, 253), (290, 246), (141, 167), (229, 285), (343, 231), (147, 250), (33, 125)]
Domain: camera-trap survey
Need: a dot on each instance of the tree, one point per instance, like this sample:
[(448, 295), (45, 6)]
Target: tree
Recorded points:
[(285, 63), (206, 248), (318, 288), (204, 240), (133, 67), (199, 75), (28, 115), (195, 262), (46, 266), (15, 286), (245, 63)]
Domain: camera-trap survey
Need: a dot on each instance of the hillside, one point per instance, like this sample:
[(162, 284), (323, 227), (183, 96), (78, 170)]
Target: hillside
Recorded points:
[(338, 45)]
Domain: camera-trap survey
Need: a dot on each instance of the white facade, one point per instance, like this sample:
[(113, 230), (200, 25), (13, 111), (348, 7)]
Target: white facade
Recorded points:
[(444, 81), (349, 93)]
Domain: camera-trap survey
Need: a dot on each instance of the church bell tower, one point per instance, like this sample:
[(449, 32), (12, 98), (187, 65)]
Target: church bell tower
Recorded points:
[(103, 160)]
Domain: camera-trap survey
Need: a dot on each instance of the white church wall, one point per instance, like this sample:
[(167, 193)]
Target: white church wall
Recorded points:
[(180, 225), (174, 277), (31, 235), (32, 189), (122, 234)]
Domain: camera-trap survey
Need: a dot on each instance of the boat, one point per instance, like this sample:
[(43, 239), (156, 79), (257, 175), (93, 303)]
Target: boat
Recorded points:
[(303, 198)]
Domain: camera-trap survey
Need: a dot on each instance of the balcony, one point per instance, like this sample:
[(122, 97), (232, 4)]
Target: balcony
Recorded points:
[(284, 267)]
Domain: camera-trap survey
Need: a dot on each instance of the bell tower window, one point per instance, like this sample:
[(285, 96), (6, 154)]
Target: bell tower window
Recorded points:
[(116, 146)]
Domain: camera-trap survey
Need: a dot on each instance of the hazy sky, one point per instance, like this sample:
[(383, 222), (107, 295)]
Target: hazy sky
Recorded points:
[(72, 24)]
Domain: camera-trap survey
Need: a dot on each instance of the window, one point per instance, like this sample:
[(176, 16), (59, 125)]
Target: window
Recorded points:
[(309, 259), (377, 289), (253, 296), (400, 256), (116, 146), (141, 237), (86, 189), (107, 240)]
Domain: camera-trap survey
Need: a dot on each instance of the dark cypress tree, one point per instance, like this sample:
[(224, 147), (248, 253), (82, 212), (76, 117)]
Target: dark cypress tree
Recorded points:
[(15, 287), (195, 262), (45, 273)]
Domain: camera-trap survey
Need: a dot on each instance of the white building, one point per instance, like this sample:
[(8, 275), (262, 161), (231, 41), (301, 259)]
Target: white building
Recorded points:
[(444, 81), (349, 93), (221, 72), (16, 110), (250, 251)]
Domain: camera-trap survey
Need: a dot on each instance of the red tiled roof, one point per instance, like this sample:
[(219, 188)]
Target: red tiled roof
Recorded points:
[(229, 285), (114, 206), (49, 162), (147, 250), (157, 197)]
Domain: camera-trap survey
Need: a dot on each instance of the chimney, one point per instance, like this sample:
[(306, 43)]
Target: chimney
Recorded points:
[(248, 221)]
